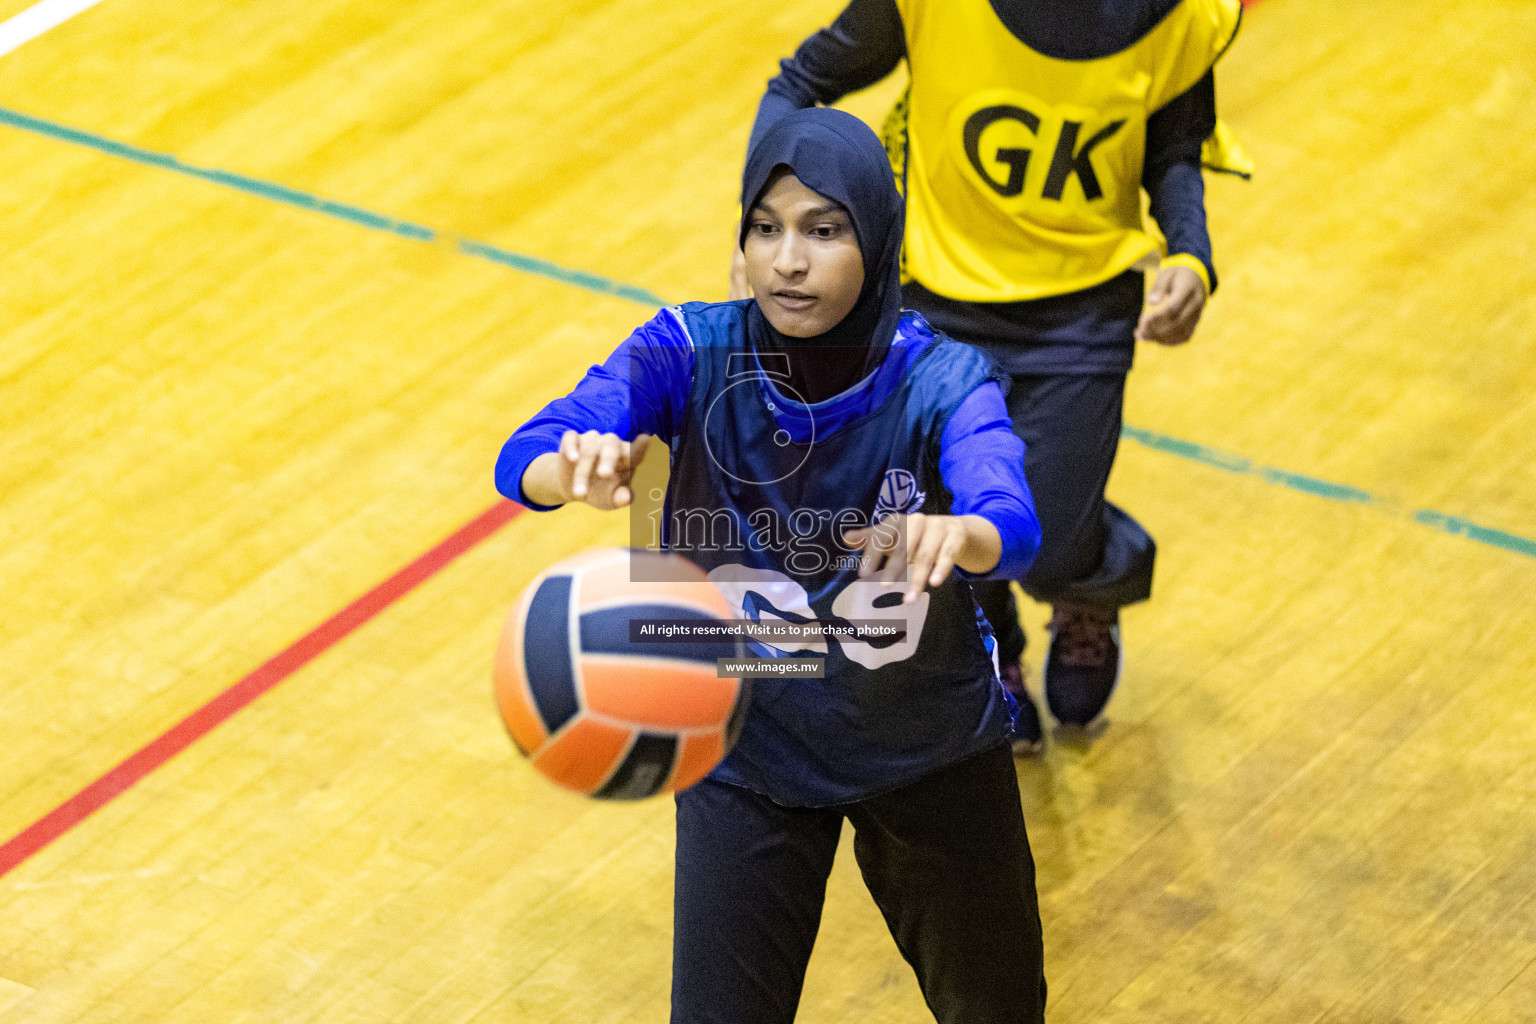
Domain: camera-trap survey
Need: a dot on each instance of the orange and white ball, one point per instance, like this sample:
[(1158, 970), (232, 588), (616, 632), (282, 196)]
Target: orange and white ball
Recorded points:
[(598, 713)]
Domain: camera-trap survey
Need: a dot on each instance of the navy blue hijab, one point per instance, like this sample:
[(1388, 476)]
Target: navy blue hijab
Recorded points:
[(838, 156)]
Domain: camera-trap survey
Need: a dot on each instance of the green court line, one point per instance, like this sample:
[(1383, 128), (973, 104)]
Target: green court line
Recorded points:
[(1459, 527), (1234, 463), (544, 268), (1204, 455), (1231, 462), (326, 207)]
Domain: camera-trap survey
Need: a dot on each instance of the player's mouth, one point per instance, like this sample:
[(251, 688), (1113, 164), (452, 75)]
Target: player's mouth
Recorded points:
[(794, 300)]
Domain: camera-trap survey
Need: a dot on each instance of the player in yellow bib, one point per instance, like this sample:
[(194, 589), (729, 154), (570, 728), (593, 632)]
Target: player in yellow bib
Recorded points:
[(1023, 143)]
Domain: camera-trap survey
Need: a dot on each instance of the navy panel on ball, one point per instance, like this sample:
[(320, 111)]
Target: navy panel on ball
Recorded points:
[(644, 769), (547, 652), (606, 631)]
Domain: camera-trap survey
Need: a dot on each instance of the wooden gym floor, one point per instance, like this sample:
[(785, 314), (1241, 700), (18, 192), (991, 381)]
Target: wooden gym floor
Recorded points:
[(229, 410)]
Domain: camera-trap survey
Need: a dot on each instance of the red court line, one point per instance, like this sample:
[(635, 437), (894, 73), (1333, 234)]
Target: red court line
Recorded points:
[(200, 722)]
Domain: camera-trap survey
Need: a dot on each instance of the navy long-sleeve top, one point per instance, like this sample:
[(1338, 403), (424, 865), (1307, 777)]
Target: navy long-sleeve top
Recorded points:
[(1087, 331), (643, 388)]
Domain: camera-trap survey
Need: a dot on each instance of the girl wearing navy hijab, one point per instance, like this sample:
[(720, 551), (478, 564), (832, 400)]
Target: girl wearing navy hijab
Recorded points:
[(848, 464)]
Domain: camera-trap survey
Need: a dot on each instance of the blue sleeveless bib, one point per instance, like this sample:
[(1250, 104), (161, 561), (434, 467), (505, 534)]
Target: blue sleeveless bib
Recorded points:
[(761, 489)]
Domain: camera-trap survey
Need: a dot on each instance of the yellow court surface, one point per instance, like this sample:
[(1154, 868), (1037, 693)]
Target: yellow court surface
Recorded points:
[(278, 279)]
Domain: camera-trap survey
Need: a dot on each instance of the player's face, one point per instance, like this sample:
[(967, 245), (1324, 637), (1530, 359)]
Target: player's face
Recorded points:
[(803, 260)]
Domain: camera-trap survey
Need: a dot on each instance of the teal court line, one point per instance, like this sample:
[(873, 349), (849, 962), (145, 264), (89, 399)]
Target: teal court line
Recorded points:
[(1214, 458), (326, 207), (1231, 462)]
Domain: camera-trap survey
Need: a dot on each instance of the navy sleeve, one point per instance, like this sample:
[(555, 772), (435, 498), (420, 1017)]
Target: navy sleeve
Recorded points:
[(642, 388), (1171, 173), (861, 47), (981, 461)]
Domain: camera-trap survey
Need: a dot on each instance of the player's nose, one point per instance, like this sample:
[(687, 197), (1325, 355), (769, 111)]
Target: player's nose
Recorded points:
[(791, 259)]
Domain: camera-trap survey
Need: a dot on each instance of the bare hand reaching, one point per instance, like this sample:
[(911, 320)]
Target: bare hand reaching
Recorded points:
[(1173, 307), (591, 467), (923, 549)]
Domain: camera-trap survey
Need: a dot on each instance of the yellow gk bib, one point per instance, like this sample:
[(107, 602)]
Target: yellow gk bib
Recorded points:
[(1023, 172)]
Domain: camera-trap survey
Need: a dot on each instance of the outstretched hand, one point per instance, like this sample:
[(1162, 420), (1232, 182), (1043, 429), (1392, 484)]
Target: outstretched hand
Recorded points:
[(922, 549), (591, 467), (1173, 307)]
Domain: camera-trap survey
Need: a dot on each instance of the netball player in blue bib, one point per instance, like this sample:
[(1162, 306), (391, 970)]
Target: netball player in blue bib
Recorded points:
[(833, 461)]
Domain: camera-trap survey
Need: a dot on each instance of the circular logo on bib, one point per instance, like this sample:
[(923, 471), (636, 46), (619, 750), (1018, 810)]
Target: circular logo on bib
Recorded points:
[(898, 494), (724, 447)]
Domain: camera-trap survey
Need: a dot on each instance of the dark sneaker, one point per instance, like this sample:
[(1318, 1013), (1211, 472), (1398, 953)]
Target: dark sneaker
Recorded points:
[(1082, 664), (1026, 737)]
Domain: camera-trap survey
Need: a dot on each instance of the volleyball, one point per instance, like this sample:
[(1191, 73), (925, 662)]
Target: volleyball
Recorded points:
[(599, 712)]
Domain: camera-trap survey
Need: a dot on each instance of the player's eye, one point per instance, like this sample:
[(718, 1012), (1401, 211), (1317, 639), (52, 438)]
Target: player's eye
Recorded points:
[(762, 227)]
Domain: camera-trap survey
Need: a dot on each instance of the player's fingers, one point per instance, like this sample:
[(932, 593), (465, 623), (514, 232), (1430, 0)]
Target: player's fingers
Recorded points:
[(591, 442), (924, 560), (1165, 285), (1153, 319), (1142, 333), (622, 496), (1167, 316), (872, 554), (904, 535), (895, 566), (866, 541), (1186, 291), (1163, 323), (876, 547), (610, 452), (1188, 319), (944, 564), (885, 534), (1169, 312), (1182, 314), (1196, 302), (1170, 296), (570, 445), (1152, 325), (638, 448), (630, 456)]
